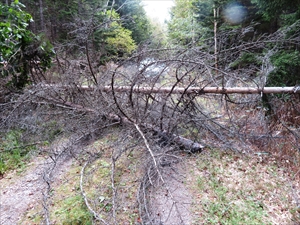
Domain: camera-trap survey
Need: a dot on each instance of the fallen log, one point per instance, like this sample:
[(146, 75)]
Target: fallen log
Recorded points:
[(164, 136), (189, 90), (187, 144), (202, 90)]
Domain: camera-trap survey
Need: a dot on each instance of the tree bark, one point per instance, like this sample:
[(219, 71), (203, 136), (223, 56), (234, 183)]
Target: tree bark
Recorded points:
[(43, 27), (197, 90), (216, 17)]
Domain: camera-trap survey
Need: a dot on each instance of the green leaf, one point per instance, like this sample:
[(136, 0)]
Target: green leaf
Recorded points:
[(18, 45)]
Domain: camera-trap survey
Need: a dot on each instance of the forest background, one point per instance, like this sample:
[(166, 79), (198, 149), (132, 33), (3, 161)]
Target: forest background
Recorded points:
[(76, 70)]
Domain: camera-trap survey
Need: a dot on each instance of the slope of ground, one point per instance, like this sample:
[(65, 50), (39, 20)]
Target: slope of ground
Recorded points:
[(212, 187), (23, 191), (230, 188)]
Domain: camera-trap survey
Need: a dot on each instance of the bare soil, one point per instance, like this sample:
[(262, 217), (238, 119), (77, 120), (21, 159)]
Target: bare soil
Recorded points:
[(172, 201), (21, 192)]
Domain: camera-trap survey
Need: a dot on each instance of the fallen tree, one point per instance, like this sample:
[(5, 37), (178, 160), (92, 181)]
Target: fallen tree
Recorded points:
[(135, 114), (167, 100), (164, 137), (188, 90)]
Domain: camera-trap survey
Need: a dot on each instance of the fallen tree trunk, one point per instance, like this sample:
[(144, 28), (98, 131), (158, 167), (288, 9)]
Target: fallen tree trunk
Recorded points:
[(185, 143), (189, 145), (190, 90), (171, 138), (203, 90)]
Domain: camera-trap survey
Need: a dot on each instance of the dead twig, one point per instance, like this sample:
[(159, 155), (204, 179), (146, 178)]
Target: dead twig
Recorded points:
[(150, 151), (96, 216), (114, 195)]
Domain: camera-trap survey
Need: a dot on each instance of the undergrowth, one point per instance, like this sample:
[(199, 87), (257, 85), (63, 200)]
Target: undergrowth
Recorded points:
[(13, 151), (72, 210), (231, 188)]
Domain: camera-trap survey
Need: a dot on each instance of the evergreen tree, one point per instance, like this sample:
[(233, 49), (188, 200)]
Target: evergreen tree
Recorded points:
[(134, 18), (182, 28), (20, 49)]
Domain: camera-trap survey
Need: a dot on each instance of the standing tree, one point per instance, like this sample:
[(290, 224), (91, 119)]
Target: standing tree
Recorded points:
[(21, 52), (134, 18), (182, 29), (277, 12)]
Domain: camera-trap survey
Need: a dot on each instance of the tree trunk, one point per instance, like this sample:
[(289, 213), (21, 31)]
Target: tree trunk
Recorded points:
[(43, 28), (197, 90), (216, 17)]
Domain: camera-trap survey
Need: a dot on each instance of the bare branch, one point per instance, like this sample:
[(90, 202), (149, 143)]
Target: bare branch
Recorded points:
[(150, 151), (96, 216)]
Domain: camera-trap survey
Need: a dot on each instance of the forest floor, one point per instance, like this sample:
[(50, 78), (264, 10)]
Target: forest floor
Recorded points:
[(22, 191), (211, 187)]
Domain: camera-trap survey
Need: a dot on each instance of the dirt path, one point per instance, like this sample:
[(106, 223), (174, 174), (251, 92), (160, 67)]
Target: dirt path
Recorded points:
[(194, 190), (20, 193), (172, 201)]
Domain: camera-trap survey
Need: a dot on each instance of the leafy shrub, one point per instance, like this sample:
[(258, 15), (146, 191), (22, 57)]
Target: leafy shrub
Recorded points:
[(19, 47), (113, 40)]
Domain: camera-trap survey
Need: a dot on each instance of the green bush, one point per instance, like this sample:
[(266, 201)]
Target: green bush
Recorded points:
[(246, 59), (19, 47), (112, 40)]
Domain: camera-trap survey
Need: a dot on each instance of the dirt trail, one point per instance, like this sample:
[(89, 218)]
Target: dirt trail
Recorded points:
[(172, 201), (24, 192), (20, 193)]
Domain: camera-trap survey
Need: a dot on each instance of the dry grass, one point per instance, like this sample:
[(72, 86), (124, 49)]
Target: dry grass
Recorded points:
[(231, 188)]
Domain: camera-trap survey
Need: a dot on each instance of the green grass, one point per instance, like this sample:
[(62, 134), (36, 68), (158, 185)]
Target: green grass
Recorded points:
[(73, 211), (13, 152), (225, 209), (51, 130), (68, 206), (226, 188)]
